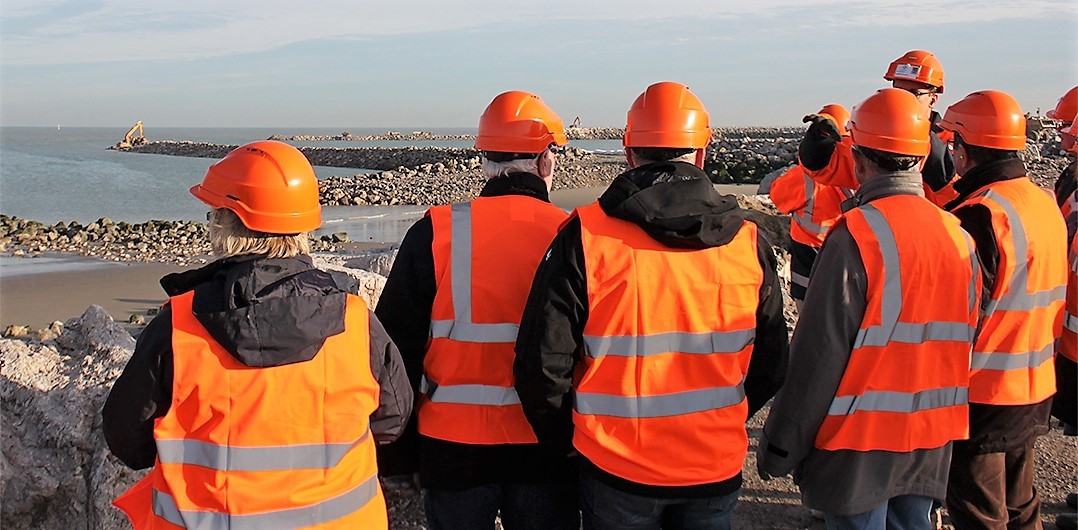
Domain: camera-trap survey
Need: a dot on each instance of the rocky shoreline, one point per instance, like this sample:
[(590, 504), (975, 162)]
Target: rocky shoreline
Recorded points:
[(179, 242)]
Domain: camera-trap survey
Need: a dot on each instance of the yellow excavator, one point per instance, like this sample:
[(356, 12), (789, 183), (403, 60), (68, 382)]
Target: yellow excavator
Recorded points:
[(133, 138)]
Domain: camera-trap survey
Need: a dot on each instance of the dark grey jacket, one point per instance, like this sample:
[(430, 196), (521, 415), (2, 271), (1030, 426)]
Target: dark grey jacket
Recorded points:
[(265, 312), (841, 482)]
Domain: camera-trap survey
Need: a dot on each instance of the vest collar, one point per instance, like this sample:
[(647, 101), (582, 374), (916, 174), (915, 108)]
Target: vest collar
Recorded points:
[(886, 185), (985, 174), (525, 184)]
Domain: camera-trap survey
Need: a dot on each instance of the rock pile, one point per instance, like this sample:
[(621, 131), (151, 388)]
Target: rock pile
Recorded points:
[(180, 242), (432, 184), (388, 136), (57, 472)]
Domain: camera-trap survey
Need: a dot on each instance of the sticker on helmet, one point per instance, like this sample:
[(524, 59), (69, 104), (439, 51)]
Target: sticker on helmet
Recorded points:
[(908, 71)]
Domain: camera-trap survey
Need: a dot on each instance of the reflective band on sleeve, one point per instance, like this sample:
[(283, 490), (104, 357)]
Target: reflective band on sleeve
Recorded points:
[(460, 257), (1070, 322), (661, 405), (471, 332), (672, 342), (1017, 297), (475, 395), (164, 506), (273, 458), (798, 279), (804, 219), (1012, 361), (904, 402)]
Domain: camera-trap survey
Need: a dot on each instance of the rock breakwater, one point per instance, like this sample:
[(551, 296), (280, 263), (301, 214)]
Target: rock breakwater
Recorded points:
[(179, 242)]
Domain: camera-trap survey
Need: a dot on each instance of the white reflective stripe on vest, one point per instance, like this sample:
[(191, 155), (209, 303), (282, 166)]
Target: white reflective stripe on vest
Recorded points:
[(1017, 297), (164, 506), (890, 329), (461, 328), (263, 458), (498, 396), (804, 219), (659, 406), (1070, 321), (471, 332), (904, 402), (1012, 361), (798, 279), (673, 342)]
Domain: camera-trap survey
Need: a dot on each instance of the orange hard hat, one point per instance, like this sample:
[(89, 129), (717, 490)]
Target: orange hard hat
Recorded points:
[(519, 122), (1069, 133), (667, 114), (988, 118), (1066, 107), (269, 185), (917, 65), (839, 114), (891, 120)]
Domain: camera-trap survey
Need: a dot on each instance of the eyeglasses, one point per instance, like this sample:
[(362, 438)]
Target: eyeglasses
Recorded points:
[(922, 92)]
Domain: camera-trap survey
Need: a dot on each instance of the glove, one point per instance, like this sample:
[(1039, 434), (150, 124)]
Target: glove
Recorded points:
[(819, 142), (822, 126)]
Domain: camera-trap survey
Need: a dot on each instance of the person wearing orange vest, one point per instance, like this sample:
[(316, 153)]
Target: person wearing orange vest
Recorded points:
[(828, 158), (653, 330), (452, 303), (813, 209), (1022, 245), (259, 391), (1066, 111), (1065, 403), (878, 378)]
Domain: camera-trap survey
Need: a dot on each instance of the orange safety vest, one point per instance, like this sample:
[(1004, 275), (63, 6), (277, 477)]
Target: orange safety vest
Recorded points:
[(660, 399), (1068, 342), (907, 381), (264, 448), (814, 208), (1013, 353), (486, 250)]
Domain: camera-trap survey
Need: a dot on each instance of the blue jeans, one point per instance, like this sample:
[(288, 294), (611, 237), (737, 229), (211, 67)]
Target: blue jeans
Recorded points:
[(905, 512), (547, 506), (606, 508)]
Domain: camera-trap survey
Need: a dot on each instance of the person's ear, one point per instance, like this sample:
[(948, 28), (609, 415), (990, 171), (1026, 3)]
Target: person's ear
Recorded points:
[(546, 164), (701, 155), (629, 158)]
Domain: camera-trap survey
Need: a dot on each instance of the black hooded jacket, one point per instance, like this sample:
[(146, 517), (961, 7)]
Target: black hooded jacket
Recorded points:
[(265, 312), (676, 204)]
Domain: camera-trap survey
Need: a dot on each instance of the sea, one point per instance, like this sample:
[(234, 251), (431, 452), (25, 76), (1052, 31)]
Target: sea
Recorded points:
[(68, 174)]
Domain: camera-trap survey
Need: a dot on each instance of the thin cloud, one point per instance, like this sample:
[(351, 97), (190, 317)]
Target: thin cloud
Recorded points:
[(39, 32)]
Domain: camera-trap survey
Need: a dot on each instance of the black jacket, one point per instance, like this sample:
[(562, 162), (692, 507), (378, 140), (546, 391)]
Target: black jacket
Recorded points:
[(265, 312), (405, 307), (676, 204), (993, 428)]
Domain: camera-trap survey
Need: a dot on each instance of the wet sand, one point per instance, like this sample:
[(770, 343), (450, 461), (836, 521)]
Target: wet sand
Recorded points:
[(37, 299)]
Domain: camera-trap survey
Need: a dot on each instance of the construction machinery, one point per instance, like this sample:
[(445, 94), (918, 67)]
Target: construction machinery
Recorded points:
[(133, 138)]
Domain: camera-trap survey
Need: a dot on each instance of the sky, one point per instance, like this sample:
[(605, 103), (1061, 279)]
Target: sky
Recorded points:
[(430, 63)]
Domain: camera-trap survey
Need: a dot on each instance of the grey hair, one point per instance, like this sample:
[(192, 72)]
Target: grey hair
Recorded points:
[(500, 169), (688, 157), (229, 237)]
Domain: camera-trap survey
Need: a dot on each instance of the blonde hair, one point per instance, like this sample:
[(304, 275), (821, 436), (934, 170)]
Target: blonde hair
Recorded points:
[(229, 237)]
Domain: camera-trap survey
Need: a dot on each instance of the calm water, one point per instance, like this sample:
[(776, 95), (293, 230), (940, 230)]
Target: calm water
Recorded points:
[(53, 175)]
